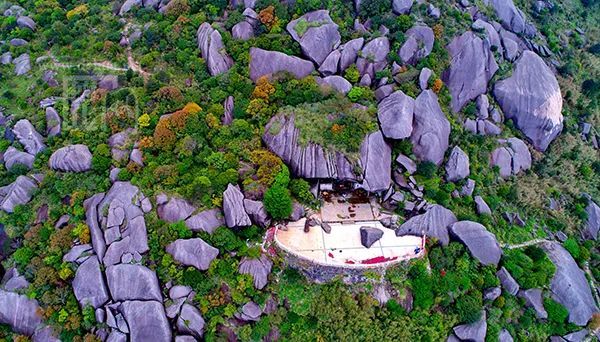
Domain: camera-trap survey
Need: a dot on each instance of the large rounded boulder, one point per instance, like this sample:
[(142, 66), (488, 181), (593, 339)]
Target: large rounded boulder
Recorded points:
[(73, 158), (316, 33), (431, 129), (532, 99)]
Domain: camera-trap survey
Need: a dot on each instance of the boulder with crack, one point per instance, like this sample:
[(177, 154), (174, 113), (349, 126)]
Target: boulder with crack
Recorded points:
[(316, 33), (471, 67), (233, 207), (212, 48), (311, 161), (431, 129), (18, 192), (418, 44), (457, 166), (512, 158), (376, 162), (206, 221), (26, 134)]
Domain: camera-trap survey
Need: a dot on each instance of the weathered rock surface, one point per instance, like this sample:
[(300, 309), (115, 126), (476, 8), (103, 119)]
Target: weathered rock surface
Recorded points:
[(336, 82), (263, 62), (13, 157), (233, 208), (434, 222), (402, 6), (490, 32), (472, 65), (418, 44), (331, 63), (26, 134), (592, 224), (431, 129), (19, 312), (72, 158), (505, 336), (311, 161), (257, 212), (22, 64), (511, 159), (26, 22), (207, 221), (569, 285), (472, 332), (531, 97), (18, 192), (212, 48), (457, 166), (190, 321), (174, 210), (481, 243), (376, 162), (370, 235), (250, 312), (193, 252), (242, 30), (259, 269), (395, 114), (319, 39), (132, 282), (88, 284), (533, 298), (146, 321)]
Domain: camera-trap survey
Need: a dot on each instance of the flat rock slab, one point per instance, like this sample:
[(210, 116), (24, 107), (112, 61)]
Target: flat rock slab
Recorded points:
[(147, 321), (481, 243), (132, 282)]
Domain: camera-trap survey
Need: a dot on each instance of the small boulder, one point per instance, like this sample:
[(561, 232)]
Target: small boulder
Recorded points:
[(417, 45), (26, 134), (259, 269), (395, 114), (592, 224), (457, 167), (18, 192), (176, 209), (212, 48), (242, 31), (509, 284), (19, 312), (533, 298), (482, 207), (266, 63), (316, 33), (190, 321), (13, 157), (193, 252), (257, 212), (338, 83), (434, 222), (474, 332), (207, 221), (349, 53), (370, 235), (402, 6), (22, 64), (53, 122)]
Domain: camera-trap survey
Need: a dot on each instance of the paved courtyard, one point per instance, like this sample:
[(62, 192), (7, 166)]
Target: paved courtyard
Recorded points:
[(342, 247)]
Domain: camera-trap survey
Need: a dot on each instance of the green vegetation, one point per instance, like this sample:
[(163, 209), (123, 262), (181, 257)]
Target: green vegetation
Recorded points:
[(530, 267)]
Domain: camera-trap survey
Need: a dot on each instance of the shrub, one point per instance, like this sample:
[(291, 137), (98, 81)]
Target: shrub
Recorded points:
[(352, 74), (278, 202), (531, 268), (556, 312), (427, 169), (468, 307)]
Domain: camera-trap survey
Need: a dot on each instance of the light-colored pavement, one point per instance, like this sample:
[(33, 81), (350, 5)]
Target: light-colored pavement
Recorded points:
[(342, 247)]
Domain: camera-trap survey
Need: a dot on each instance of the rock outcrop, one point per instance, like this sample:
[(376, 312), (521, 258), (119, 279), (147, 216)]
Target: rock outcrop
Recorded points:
[(472, 65), (531, 98), (457, 166), (349, 53), (512, 18), (174, 210), (481, 243), (376, 162), (431, 129), (509, 284), (569, 285), (146, 321), (373, 56), (53, 122), (212, 48), (233, 207), (311, 161), (316, 33), (267, 63), (22, 64), (338, 83), (132, 282), (72, 158), (434, 222), (193, 252), (88, 285), (257, 212), (533, 298), (395, 114)]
